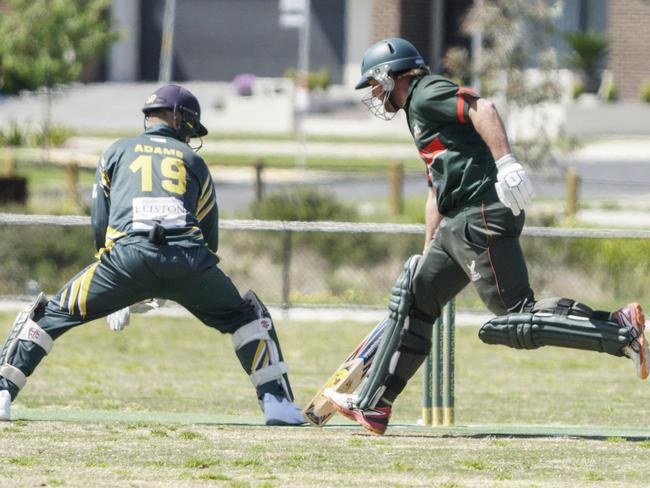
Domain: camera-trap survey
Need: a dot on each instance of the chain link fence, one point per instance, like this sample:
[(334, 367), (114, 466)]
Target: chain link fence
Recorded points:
[(339, 264)]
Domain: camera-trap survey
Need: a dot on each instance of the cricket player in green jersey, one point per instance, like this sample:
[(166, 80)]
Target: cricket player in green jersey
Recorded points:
[(155, 225), (474, 215)]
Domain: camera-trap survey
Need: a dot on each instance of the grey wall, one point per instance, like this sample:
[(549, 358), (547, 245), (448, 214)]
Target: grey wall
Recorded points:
[(580, 15), (218, 39)]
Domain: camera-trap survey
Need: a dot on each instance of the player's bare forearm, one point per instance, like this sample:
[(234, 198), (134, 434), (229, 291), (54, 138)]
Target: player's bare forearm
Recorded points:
[(431, 216), (489, 125)]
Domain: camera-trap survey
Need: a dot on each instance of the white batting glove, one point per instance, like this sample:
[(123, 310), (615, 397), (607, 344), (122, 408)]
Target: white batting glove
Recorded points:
[(118, 320), (513, 185), (147, 305)]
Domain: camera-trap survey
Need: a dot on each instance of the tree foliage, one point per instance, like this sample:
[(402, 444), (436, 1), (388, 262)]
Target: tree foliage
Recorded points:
[(48, 42), (516, 64)]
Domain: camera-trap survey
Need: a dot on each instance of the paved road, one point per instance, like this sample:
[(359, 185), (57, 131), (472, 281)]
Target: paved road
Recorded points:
[(616, 170), (614, 180), (625, 182)]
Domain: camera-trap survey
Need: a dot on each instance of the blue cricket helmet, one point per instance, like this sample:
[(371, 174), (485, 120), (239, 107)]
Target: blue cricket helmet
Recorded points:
[(179, 100)]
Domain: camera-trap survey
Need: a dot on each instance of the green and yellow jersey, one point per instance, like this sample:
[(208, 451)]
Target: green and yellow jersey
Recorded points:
[(459, 165), (151, 179)]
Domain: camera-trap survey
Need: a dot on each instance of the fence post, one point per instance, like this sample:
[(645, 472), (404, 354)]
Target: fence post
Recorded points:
[(72, 178), (259, 182), (572, 184), (286, 269), (10, 163), (396, 184)]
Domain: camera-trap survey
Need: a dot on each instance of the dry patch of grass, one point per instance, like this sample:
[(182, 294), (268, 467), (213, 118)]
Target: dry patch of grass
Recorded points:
[(161, 364), (64, 454)]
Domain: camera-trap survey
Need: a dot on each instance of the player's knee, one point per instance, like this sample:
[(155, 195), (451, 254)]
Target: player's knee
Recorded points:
[(504, 302), (401, 295)]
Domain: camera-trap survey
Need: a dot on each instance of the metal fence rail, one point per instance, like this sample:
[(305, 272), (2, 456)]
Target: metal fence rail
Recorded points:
[(338, 227)]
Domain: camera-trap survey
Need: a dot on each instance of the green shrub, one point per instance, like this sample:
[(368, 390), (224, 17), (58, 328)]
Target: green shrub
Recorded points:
[(17, 136), (50, 255), (610, 92), (56, 135), (320, 80), (14, 135), (618, 267), (622, 266), (307, 205), (313, 205), (644, 90), (316, 80), (577, 89)]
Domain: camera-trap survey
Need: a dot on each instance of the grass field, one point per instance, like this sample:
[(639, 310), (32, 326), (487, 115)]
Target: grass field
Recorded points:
[(164, 403)]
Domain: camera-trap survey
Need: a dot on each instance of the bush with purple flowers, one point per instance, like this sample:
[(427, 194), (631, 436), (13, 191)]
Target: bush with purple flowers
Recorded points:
[(243, 84)]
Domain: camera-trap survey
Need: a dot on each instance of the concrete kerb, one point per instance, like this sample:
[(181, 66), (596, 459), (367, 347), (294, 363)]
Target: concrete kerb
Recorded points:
[(359, 315), (607, 149)]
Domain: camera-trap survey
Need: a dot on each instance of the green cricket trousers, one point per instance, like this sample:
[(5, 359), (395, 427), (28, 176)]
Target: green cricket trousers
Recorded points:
[(132, 271), (478, 244)]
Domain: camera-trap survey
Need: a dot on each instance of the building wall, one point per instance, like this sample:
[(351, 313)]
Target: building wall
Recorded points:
[(123, 55), (358, 25), (415, 20), (415, 25), (386, 19), (629, 37), (583, 15), (410, 19), (216, 40)]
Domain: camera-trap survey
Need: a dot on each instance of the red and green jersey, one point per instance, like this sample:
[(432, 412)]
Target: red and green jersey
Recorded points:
[(459, 165), (151, 179)]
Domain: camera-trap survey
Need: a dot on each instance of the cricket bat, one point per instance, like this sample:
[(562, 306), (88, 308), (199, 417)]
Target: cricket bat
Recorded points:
[(347, 377)]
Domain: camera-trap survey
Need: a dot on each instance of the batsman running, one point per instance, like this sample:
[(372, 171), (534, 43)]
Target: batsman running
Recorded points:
[(155, 226), (474, 215)]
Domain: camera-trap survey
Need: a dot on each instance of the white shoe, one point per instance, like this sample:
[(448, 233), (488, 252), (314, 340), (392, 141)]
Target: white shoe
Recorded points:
[(280, 411), (5, 405)]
